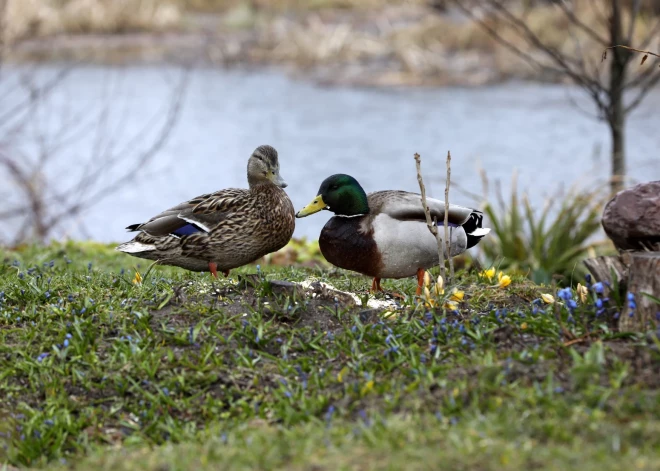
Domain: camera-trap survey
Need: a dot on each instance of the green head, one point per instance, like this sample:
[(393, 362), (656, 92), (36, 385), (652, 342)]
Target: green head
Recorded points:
[(341, 194)]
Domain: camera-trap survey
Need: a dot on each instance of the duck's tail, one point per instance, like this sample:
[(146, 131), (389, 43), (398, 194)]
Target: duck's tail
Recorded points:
[(135, 247), (473, 228)]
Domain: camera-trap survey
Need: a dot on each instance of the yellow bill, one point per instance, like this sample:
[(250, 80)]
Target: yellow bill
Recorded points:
[(314, 207)]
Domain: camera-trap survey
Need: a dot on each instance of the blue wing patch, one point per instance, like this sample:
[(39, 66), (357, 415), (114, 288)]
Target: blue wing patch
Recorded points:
[(186, 230)]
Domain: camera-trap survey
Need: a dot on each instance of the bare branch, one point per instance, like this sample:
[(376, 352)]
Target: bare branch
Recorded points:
[(447, 230), (650, 53), (561, 67), (644, 90), (580, 24), (634, 11), (431, 224)]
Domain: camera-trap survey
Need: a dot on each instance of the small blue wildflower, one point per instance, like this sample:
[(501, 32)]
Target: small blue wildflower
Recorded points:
[(559, 390), (21, 275), (49, 422), (565, 294), (354, 329), (166, 391), (329, 413), (68, 336), (66, 343), (42, 356), (598, 287), (330, 336), (422, 358), (428, 316), (632, 305), (47, 294)]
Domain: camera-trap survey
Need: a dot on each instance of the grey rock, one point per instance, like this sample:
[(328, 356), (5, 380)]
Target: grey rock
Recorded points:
[(632, 218)]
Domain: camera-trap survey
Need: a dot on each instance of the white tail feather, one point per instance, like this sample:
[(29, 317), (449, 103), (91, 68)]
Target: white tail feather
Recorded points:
[(135, 247), (480, 231)]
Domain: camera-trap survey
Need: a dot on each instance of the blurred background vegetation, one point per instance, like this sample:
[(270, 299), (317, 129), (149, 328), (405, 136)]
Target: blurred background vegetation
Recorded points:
[(345, 43)]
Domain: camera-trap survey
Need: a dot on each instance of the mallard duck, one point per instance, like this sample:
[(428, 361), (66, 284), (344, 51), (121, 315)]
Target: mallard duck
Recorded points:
[(384, 234), (222, 230)]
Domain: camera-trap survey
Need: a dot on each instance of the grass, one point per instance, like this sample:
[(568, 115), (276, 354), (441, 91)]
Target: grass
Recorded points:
[(99, 372)]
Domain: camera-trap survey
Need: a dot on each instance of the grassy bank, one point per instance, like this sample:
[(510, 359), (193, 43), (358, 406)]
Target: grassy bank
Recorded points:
[(371, 42), (102, 369)]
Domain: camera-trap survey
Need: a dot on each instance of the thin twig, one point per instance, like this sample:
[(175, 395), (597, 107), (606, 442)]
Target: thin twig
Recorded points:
[(447, 230), (646, 53), (430, 223)]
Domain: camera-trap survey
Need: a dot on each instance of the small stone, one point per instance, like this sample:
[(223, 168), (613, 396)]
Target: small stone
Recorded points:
[(369, 316), (632, 218), (286, 288)]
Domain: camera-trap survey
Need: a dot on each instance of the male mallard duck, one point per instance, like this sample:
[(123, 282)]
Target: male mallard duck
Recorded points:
[(384, 234), (222, 230)]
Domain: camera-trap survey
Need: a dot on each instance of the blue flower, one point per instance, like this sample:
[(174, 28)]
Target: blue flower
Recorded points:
[(565, 294), (42, 356), (329, 413), (598, 287)]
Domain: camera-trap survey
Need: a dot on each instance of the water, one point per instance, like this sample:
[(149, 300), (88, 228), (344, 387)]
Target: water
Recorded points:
[(368, 133)]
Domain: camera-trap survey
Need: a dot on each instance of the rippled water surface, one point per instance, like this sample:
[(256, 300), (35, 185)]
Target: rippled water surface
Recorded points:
[(368, 133)]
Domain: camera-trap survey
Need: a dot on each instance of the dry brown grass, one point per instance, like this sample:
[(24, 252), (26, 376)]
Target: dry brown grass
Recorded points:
[(399, 41), (36, 18)]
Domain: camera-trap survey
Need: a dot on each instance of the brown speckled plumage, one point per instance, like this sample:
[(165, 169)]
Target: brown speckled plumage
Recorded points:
[(233, 227)]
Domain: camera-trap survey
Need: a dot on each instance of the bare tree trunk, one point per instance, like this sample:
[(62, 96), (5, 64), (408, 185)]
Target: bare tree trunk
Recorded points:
[(617, 112)]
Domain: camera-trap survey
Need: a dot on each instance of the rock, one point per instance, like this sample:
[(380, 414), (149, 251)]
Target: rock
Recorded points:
[(632, 218), (286, 287), (327, 292)]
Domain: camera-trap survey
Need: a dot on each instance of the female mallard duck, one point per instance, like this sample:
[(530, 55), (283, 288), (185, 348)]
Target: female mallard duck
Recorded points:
[(384, 234), (222, 230)]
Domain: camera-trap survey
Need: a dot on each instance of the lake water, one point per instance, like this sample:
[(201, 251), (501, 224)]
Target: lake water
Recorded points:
[(368, 133)]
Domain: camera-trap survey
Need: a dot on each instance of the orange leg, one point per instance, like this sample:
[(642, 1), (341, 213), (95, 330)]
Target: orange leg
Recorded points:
[(375, 285), (213, 268), (420, 280)]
